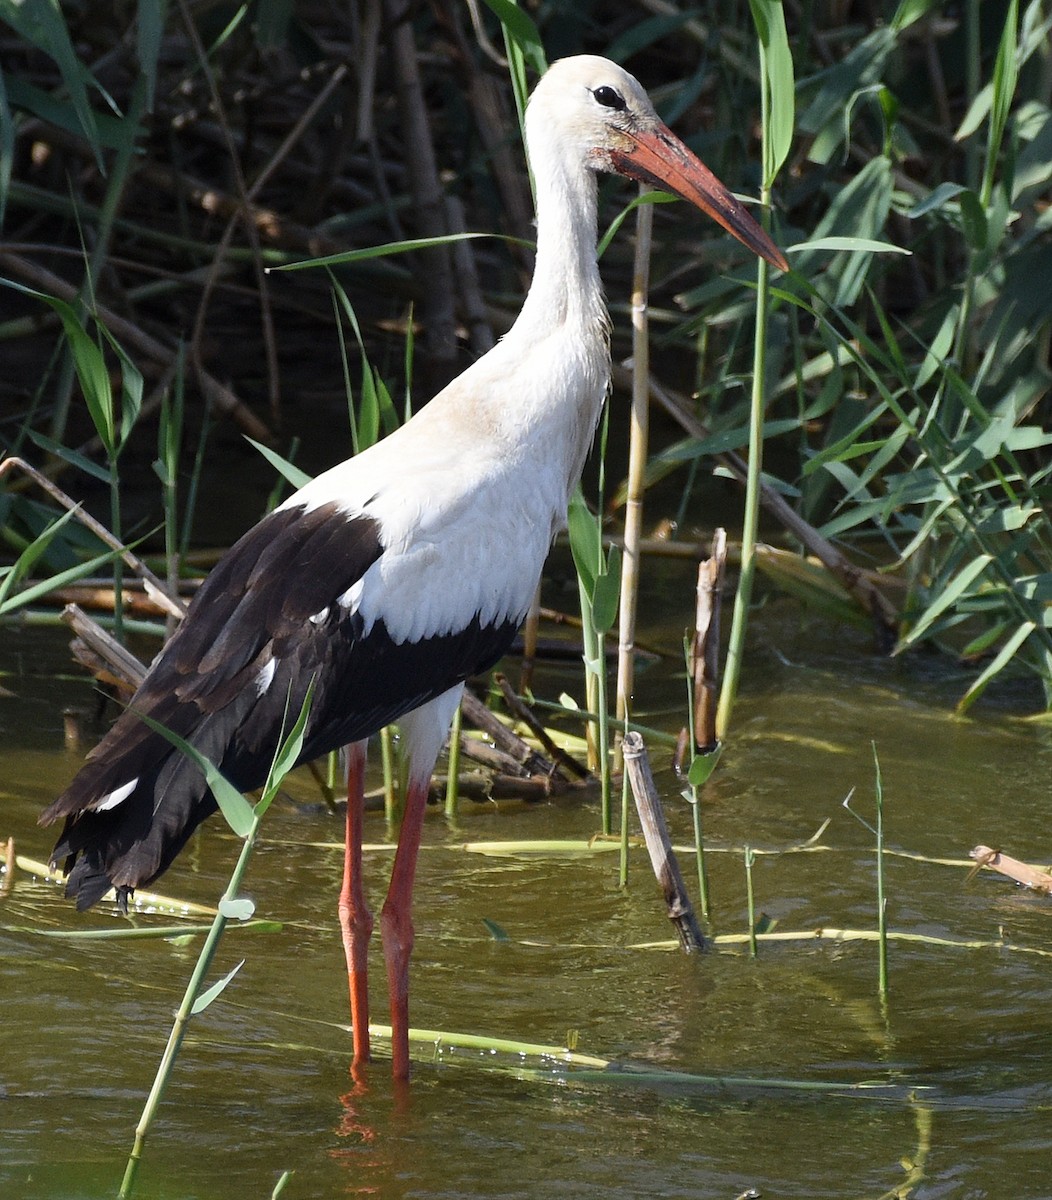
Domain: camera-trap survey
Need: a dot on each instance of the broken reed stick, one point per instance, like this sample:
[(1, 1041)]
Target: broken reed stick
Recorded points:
[(659, 846), (504, 739), (102, 654), (705, 650), (8, 878)]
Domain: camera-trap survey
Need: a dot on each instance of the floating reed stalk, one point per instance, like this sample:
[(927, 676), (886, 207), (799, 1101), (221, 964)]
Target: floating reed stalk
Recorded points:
[(592, 1068), (749, 859), (140, 900)]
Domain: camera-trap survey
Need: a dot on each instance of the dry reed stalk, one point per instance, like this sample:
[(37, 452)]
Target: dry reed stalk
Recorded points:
[(505, 739), (439, 310), (243, 215), (493, 119), (476, 315), (659, 846), (705, 650), (638, 448), (234, 163), (127, 670)]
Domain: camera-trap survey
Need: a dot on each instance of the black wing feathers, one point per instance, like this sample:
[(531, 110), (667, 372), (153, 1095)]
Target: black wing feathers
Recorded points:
[(269, 605), (204, 686)]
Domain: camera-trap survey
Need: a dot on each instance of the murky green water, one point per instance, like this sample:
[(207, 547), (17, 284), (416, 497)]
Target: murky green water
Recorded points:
[(262, 1086)]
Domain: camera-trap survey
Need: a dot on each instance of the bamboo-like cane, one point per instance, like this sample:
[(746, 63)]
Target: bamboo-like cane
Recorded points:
[(637, 460)]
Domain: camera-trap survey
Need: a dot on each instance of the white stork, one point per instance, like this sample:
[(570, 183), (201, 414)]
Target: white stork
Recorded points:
[(396, 575)]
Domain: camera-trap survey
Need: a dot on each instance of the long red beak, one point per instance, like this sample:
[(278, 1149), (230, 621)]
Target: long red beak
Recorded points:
[(658, 158)]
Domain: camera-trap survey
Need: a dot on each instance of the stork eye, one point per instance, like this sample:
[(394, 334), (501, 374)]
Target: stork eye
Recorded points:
[(609, 97)]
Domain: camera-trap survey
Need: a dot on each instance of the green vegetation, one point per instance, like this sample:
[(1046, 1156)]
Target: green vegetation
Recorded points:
[(153, 165), (163, 170)]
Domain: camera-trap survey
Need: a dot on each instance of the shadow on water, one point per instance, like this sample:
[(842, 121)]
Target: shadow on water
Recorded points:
[(962, 1052)]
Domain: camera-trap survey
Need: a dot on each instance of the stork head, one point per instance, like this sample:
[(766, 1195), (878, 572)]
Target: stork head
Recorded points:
[(596, 109)]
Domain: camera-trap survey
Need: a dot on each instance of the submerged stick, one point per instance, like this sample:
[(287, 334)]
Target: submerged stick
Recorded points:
[(659, 846)]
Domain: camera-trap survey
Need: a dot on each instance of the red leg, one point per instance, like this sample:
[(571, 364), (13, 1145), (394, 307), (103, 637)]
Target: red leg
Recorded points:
[(356, 921), (396, 923)]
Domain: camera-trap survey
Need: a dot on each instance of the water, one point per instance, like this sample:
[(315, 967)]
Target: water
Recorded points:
[(262, 1085)]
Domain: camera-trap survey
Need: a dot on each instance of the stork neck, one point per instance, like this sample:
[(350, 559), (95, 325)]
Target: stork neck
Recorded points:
[(566, 287)]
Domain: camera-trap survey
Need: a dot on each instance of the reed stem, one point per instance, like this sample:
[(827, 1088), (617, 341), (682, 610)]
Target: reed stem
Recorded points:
[(751, 515), (453, 766), (183, 1016), (638, 448), (882, 903)]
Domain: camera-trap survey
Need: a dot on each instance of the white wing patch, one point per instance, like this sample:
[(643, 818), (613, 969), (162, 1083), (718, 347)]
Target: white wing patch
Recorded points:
[(352, 597), (112, 799), (266, 676)]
